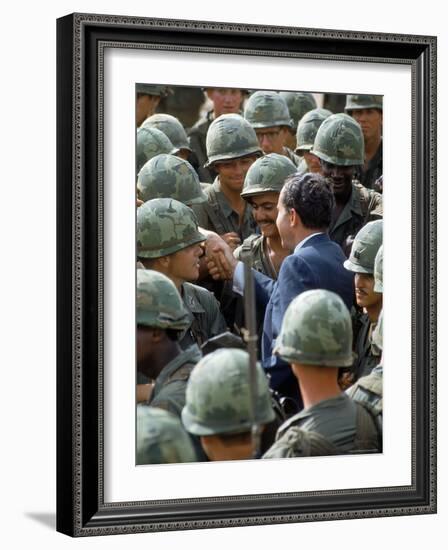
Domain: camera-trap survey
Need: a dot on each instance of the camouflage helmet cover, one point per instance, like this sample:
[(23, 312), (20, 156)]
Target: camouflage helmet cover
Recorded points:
[(161, 439), (308, 126), (339, 140), (267, 174), (165, 226), (152, 89), (171, 127), (151, 142), (378, 270), (167, 176), (230, 136), (316, 330), (298, 103), (158, 302), (265, 109), (355, 102), (365, 248), (218, 399)]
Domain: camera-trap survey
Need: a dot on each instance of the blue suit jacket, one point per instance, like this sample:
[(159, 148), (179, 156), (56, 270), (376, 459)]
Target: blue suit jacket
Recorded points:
[(317, 264)]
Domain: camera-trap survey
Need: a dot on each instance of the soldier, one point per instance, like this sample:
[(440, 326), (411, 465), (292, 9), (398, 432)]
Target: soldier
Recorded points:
[(367, 110), (225, 101), (161, 438), (161, 320), (167, 176), (298, 103), (267, 112), (218, 405), (151, 142), (232, 147), (306, 133), (168, 241), (148, 97), (361, 262), (316, 339), (173, 130), (262, 185), (339, 144), (369, 389)]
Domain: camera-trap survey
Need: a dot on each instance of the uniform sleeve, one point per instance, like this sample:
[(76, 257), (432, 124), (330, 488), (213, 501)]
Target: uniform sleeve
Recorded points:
[(375, 206)]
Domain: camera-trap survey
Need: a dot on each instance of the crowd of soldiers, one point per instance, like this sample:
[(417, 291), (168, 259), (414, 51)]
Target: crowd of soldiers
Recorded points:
[(270, 190)]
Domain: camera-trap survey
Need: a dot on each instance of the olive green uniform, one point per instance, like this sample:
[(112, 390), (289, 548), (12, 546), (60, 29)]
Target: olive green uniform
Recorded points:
[(217, 215), (367, 356), (364, 205), (255, 247), (340, 424), (206, 318), (169, 388)]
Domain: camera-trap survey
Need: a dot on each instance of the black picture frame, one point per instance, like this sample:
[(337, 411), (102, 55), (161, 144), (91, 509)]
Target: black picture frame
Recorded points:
[(81, 510)]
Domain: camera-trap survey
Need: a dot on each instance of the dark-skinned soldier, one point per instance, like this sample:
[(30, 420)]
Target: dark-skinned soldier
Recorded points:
[(339, 144)]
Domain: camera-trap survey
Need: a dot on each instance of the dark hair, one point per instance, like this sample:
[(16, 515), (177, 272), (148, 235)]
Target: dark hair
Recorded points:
[(312, 198)]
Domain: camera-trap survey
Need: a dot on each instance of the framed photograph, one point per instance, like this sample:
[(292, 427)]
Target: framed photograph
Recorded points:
[(100, 489)]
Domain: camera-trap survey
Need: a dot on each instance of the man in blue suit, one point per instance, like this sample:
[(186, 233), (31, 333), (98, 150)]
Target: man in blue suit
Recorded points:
[(304, 214)]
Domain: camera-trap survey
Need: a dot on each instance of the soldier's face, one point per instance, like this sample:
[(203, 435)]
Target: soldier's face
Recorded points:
[(339, 176), (145, 349), (371, 122), (232, 172), (264, 211), (312, 162), (184, 265), (366, 297), (272, 140), (225, 100)]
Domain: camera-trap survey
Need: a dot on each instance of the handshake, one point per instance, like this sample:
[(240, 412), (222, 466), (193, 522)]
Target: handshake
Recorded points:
[(218, 254)]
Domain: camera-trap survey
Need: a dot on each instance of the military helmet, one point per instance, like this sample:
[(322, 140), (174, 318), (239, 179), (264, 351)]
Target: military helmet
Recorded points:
[(308, 126), (339, 141), (158, 302), (316, 330), (152, 89), (171, 127), (266, 109), (230, 136), (161, 438), (218, 397), (365, 247), (167, 176), (165, 226), (355, 102), (151, 142), (267, 174), (378, 270), (298, 103)]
